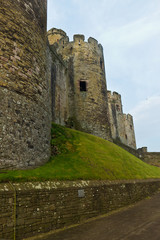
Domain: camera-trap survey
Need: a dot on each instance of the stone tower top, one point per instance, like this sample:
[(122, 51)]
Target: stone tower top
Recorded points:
[(55, 35), (59, 36)]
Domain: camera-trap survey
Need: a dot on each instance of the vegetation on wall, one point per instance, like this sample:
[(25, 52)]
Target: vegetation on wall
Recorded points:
[(77, 155)]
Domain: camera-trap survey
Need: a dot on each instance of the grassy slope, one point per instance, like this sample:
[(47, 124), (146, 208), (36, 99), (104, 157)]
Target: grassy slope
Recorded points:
[(83, 156)]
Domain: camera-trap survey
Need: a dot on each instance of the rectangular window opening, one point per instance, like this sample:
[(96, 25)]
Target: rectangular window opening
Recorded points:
[(83, 86)]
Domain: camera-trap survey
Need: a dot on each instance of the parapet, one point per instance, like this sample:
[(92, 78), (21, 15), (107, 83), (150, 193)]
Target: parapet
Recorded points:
[(56, 35), (78, 38), (113, 96), (92, 41), (53, 31), (95, 43), (59, 36), (128, 117), (142, 150)]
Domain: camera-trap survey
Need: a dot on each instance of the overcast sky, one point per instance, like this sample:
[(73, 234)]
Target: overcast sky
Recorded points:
[(129, 31)]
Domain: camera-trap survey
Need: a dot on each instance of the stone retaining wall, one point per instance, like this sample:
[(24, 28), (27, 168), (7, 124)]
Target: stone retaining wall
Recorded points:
[(127, 148), (152, 158), (28, 209)]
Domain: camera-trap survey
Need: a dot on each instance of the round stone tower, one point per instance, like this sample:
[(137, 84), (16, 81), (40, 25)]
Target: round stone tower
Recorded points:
[(87, 85), (24, 98)]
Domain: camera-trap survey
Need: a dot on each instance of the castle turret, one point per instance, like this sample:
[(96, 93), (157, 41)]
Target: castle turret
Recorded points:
[(24, 97), (87, 86), (55, 35), (122, 128)]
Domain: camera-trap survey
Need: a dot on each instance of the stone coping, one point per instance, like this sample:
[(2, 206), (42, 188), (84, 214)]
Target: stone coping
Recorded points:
[(51, 185)]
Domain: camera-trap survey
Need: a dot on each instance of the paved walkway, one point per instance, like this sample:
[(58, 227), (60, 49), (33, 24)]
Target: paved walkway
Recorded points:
[(140, 222)]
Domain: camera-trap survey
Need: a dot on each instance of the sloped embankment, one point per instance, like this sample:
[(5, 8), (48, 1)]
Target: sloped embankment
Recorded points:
[(77, 155)]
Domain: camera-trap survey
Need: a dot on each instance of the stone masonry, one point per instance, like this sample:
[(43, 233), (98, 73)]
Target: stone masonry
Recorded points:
[(122, 128), (90, 107), (29, 209), (51, 79), (24, 88), (88, 104)]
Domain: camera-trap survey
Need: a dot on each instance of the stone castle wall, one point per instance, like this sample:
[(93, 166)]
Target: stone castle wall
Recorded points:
[(24, 88), (122, 127), (91, 107), (87, 84), (29, 209), (59, 87), (152, 158), (62, 80)]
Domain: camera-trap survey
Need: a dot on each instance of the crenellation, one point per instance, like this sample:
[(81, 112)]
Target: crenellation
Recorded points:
[(63, 41), (55, 35), (129, 117), (93, 41), (78, 38), (54, 31), (114, 95), (100, 47)]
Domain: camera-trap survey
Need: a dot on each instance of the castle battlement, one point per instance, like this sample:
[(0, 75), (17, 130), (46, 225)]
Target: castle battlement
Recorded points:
[(78, 38), (129, 117), (113, 96), (56, 31), (58, 36)]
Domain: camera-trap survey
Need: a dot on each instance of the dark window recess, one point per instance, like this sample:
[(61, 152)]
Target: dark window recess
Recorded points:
[(117, 107), (101, 63), (126, 136), (83, 87)]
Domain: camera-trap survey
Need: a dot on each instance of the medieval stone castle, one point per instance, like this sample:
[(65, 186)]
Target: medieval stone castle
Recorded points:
[(79, 93), (44, 79)]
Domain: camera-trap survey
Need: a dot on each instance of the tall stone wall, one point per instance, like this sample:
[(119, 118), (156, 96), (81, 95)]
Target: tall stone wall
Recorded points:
[(122, 127), (24, 88), (129, 131), (29, 209), (87, 91), (59, 88)]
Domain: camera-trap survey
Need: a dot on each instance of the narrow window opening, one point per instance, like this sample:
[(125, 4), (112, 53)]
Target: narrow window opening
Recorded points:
[(126, 136), (101, 63), (83, 87), (117, 107)]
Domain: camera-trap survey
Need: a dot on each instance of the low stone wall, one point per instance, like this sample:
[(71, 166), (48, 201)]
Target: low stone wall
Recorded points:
[(127, 148), (152, 158), (28, 209)]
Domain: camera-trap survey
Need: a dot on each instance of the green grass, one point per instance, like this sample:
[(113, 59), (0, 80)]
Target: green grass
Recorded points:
[(78, 155)]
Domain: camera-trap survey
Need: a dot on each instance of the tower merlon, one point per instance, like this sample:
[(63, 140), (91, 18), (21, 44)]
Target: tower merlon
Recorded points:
[(100, 47), (129, 116), (93, 41), (78, 38), (57, 35), (114, 95), (53, 31)]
